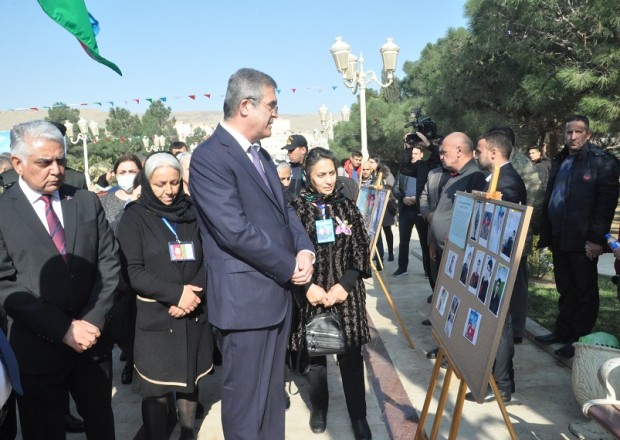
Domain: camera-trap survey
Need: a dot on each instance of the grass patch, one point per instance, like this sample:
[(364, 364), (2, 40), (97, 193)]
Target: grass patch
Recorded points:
[(543, 306)]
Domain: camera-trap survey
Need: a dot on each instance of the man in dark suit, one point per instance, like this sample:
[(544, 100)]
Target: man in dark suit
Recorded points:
[(59, 268), (494, 149), (255, 248)]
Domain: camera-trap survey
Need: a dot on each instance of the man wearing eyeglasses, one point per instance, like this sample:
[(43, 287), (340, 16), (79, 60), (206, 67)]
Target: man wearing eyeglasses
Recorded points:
[(255, 250)]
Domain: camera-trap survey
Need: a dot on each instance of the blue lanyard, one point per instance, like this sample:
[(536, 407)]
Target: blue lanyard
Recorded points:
[(322, 208), (172, 229)]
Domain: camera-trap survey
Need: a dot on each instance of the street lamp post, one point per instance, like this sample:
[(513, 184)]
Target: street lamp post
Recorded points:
[(355, 78), (159, 143), (84, 126)]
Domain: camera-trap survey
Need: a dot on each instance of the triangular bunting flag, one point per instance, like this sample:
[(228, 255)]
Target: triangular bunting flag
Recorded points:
[(193, 97), (294, 90), (98, 103), (163, 99), (150, 100), (137, 101), (208, 95), (334, 87)]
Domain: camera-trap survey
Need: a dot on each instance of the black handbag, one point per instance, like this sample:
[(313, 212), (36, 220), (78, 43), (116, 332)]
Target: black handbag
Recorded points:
[(325, 335)]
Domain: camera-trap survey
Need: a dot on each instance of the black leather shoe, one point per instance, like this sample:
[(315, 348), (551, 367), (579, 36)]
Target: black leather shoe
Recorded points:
[(429, 299), (433, 353), (551, 338), (391, 257), (517, 340), (426, 322), (127, 373), (318, 420), (566, 351), (361, 430), (73, 424), (490, 397)]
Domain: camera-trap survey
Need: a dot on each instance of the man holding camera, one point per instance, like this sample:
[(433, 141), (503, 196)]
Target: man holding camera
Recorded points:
[(411, 179)]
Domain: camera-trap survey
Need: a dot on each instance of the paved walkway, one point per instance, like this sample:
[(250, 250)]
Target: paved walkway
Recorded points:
[(397, 380)]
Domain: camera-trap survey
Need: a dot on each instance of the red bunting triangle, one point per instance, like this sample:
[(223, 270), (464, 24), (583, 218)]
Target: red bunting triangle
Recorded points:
[(137, 101), (192, 97), (294, 90), (34, 108), (208, 95)]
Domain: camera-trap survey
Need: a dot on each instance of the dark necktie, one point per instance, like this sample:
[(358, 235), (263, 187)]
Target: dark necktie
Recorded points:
[(257, 164), (7, 358), (57, 232)]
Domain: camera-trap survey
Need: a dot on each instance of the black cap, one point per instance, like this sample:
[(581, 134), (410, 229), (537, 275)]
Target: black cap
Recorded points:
[(294, 141)]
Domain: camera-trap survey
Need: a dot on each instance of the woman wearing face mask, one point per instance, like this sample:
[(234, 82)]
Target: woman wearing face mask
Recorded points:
[(126, 168), (342, 261)]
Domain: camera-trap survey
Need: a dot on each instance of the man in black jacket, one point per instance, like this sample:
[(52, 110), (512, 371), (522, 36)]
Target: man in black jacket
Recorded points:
[(582, 194)]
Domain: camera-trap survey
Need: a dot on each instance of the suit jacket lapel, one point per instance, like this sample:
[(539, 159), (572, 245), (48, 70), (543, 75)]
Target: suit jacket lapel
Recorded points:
[(69, 215), (27, 214), (235, 150)]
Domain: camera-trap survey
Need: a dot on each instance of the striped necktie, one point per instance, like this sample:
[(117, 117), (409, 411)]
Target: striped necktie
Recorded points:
[(57, 232), (7, 358)]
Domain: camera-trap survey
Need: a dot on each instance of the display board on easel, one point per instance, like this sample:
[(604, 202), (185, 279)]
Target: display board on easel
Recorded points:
[(475, 281), (372, 203)]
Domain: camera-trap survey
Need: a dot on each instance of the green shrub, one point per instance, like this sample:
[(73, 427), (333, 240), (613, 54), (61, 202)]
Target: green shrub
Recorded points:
[(540, 261)]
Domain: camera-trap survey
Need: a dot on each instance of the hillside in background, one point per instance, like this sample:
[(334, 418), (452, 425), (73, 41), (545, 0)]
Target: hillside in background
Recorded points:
[(299, 123)]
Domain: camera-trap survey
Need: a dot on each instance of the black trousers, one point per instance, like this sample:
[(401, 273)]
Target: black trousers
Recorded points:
[(351, 365), (576, 278), (43, 406), (519, 299), (502, 369), (406, 221)]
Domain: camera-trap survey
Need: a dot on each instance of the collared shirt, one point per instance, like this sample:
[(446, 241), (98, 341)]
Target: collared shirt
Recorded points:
[(38, 205), (488, 179), (245, 144)]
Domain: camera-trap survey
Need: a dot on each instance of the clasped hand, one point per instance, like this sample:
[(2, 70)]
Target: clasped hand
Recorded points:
[(593, 250), (81, 335), (317, 295), (303, 273), (188, 302)]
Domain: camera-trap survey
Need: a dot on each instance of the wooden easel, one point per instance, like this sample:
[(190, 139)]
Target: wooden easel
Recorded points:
[(458, 406), (389, 298), (373, 252)]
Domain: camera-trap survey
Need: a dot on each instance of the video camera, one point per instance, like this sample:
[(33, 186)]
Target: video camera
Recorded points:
[(426, 126)]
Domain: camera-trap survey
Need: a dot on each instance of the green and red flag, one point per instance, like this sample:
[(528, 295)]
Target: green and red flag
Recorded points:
[(74, 17)]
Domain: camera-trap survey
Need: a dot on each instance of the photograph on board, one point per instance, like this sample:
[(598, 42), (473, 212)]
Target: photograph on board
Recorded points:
[(476, 218), (442, 300), (474, 278), (469, 252), (451, 264), (485, 227), (497, 293), (485, 282), (496, 229), (510, 233), (454, 307), (472, 325)]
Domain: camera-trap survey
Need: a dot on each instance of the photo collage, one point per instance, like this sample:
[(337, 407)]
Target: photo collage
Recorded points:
[(482, 269)]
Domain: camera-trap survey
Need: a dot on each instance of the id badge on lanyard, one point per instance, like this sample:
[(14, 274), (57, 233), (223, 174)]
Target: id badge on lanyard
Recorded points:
[(179, 250), (324, 228)]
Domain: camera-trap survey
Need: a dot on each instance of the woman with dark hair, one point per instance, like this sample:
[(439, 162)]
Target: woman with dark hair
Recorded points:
[(161, 256), (126, 168), (342, 261)]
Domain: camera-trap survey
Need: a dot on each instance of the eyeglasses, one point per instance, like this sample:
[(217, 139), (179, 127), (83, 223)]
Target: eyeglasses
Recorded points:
[(271, 106)]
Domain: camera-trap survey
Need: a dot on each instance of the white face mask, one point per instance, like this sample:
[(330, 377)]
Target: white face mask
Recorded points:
[(126, 182)]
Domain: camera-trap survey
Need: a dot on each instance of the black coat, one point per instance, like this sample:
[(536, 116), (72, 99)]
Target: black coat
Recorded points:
[(591, 199), (163, 351)]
